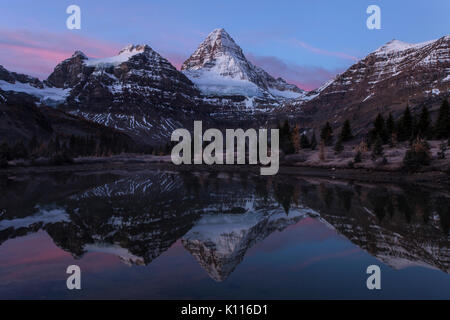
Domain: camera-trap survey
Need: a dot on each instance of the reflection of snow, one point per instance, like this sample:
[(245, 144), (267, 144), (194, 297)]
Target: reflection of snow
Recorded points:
[(44, 216), (220, 241), (124, 254)]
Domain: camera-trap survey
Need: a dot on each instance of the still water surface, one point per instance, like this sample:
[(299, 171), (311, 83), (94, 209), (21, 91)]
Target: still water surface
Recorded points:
[(170, 235)]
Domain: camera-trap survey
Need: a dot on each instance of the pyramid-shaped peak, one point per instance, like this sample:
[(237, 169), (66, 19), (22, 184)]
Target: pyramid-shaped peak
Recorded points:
[(220, 40), (218, 44), (219, 32)]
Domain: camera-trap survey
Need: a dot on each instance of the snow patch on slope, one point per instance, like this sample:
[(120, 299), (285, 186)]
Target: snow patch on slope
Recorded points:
[(47, 95), (398, 46), (45, 216), (211, 83)]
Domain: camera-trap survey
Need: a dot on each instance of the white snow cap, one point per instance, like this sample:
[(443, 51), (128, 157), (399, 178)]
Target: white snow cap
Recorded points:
[(124, 55), (223, 41), (219, 67), (397, 45)]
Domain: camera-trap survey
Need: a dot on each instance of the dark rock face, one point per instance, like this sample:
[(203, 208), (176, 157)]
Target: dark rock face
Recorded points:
[(401, 227), (69, 72), (141, 94), (385, 81), (20, 119), (140, 216), (137, 91), (221, 251), (137, 75), (13, 77), (135, 218)]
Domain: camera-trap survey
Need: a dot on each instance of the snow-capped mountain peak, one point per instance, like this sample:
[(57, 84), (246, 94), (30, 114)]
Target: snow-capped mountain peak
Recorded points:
[(394, 46), (391, 76), (219, 51), (80, 54), (134, 49), (124, 55), (220, 56), (219, 68)]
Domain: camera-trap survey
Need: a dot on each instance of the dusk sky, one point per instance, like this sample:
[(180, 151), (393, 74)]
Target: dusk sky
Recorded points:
[(306, 42)]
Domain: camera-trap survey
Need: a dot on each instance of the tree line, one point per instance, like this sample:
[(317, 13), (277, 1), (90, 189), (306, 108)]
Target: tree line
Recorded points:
[(62, 149), (416, 129)]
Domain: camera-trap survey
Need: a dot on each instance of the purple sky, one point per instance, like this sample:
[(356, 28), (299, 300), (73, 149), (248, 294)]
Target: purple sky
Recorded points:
[(306, 42)]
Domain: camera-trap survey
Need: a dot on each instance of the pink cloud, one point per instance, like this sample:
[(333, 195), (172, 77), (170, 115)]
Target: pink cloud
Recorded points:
[(305, 77), (337, 54), (37, 53)]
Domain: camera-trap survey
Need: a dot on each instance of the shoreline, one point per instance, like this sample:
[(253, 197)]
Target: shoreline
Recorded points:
[(429, 178)]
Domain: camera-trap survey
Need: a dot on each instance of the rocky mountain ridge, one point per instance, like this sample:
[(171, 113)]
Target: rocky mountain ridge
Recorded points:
[(385, 81)]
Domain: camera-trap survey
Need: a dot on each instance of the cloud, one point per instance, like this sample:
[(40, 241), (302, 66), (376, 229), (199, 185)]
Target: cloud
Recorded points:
[(37, 53), (337, 54), (305, 77)]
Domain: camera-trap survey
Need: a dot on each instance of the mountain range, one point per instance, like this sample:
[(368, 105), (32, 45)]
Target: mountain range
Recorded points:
[(142, 95), (388, 79), (137, 218)]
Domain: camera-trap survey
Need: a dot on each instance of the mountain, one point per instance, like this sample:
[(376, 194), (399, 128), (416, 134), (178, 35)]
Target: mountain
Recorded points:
[(136, 91), (139, 93), (24, 113), (24, 85), (219, 68), (396, 226), (219, 242), (385, 81)]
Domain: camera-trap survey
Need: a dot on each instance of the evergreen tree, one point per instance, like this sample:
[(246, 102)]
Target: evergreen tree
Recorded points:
[(33, 144), (5, 151), (424, 123), (286, 129), (406, 125), (19, 151), (3, 163), (313, 141), (338, 147), (346, 132), (442, 126), (358, 157), (286, 144), (377, 148), (390, 125), (326, 134), (304, 142), (379, 129), (418, 155)]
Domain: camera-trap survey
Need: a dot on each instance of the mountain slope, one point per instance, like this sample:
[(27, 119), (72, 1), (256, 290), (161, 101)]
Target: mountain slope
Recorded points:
[(385, 81), (21, 120), (43, 93), (219, 68), (137, 91)]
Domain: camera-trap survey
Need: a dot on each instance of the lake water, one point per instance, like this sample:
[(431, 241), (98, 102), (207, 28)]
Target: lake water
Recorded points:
[(171, 235)]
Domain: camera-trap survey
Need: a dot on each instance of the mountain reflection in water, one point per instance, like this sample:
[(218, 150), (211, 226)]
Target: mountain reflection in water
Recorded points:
[(219, 217)]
